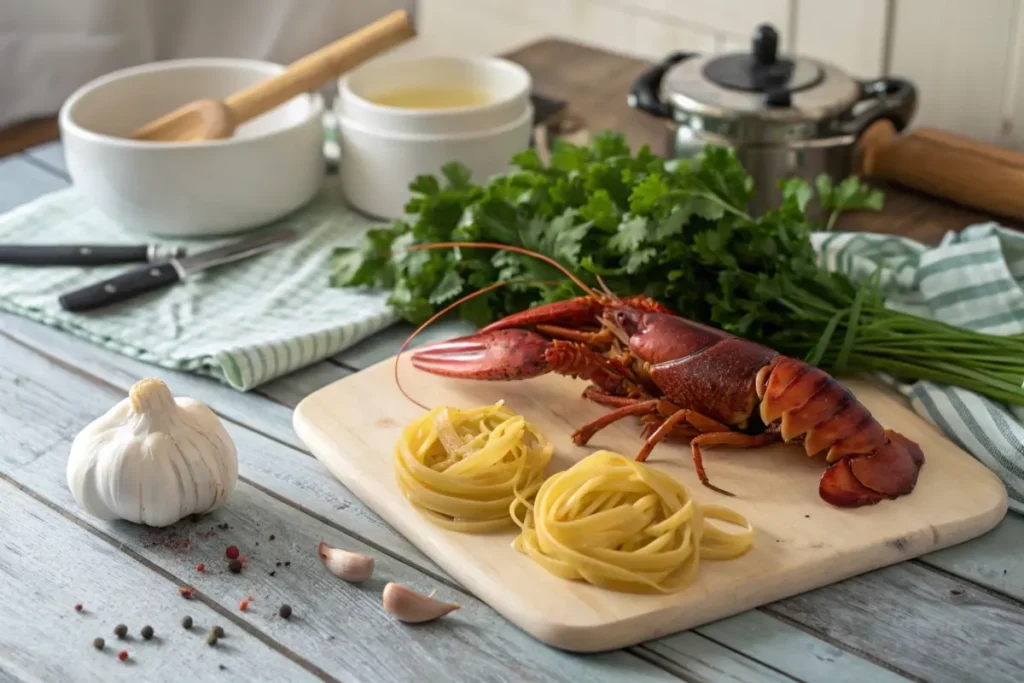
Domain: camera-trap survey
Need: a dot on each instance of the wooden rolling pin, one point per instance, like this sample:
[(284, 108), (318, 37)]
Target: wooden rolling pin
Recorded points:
[(947, 166)]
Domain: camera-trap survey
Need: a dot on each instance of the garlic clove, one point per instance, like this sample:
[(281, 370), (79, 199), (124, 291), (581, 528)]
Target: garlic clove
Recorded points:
[(412, 607), (349, 566)]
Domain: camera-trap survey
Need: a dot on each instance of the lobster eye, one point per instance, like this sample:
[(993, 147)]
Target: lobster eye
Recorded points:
[(626, 321)]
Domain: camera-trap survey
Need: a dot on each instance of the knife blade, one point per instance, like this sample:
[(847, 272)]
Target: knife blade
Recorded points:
[(158, 275), (85, 254)]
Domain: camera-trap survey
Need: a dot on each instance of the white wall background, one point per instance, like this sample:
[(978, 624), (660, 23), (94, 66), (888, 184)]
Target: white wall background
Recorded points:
[(965, 56)]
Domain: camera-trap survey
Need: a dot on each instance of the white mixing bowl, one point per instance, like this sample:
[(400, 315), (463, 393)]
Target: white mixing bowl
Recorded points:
[(270, 167), (384, 148)]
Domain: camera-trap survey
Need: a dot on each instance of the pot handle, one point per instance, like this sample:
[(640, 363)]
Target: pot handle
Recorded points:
[(644, 95), (894, 99)]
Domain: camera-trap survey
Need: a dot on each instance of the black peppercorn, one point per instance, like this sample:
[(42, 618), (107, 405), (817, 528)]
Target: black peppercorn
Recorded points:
[(235, 566), (218, 631), (98, 643), (211, 638), (186, 622), (285, 611), (147, 632), (120, 630)]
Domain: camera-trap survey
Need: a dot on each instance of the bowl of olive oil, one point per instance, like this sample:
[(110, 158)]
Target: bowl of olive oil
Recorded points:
[(400, 118)]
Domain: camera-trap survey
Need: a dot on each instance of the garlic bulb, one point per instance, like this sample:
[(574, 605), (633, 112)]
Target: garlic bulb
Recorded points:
[(153, 459)]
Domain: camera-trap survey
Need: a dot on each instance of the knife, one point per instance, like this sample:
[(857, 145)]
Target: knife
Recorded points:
[(155, 276), (85, 254)]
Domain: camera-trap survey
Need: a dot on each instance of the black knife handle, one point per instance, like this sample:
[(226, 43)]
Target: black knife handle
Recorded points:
[(121, 287), (71, 255)]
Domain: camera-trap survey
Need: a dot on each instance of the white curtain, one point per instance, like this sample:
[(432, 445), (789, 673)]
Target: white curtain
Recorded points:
[(48, 48)]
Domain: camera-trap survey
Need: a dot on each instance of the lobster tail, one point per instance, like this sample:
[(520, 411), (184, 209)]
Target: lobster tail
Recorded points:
[(869, 463)]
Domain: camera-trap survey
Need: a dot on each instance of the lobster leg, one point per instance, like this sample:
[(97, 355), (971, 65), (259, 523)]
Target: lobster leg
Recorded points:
[(597, 395), (582, 435), (725, 439), (701, 423)]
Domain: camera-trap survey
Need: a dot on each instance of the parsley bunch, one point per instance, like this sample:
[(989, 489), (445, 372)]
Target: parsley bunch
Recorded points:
[(679, 232)]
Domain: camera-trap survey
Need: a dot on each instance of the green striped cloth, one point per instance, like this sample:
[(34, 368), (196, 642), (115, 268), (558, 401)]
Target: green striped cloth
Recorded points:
[(975, 280), (244, 323)]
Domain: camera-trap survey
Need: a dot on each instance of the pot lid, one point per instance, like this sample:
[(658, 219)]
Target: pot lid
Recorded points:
[(759, 85)]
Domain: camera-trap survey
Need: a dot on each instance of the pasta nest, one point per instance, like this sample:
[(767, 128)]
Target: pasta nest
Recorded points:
[(623, 525), (464, 469)]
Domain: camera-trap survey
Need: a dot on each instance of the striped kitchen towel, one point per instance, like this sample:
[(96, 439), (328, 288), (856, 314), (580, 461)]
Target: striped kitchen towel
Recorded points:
[(243, 323), (975, 280)]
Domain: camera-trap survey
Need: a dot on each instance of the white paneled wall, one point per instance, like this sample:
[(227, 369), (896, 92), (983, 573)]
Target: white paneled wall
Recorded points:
[(965, 56)]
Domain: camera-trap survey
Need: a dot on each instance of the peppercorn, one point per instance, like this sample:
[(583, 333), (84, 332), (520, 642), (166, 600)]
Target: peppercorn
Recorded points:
[(285, 611), (211, 638), (272, 537), (186, 622), (219, 631), (186, 592), (147, 632), (98, 643), (122, 655), (235, 566), (120, 630), (243, 605), (288, 564), (78, 607), (200, 567), (231, 552)]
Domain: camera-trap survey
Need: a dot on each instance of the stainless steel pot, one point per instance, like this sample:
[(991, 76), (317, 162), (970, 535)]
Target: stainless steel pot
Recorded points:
[(786, 117)]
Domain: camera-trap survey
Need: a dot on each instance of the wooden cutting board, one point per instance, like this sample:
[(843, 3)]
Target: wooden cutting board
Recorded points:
[(801, 542)]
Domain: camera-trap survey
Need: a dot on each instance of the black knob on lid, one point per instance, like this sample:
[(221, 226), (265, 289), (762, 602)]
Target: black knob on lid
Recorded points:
[(778, 98), (765, 45)]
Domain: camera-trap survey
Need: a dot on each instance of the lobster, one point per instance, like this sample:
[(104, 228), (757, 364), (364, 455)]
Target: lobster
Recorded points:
[(685, 381)]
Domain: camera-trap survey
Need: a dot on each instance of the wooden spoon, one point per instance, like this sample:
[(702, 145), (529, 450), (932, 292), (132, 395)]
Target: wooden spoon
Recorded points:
[(210, 119)]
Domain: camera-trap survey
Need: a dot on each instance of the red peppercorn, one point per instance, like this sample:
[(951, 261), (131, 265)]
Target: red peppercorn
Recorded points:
[(232, 552), (200, 567), (122, 655), (78, 607), (244, 605), (186, 592)]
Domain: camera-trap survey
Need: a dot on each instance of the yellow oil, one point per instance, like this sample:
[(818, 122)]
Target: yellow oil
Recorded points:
[(432, 98)]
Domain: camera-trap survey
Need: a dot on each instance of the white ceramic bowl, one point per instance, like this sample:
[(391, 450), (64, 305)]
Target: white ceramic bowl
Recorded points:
[(271, 166), (506, 83), (384, 148), (376, 167)]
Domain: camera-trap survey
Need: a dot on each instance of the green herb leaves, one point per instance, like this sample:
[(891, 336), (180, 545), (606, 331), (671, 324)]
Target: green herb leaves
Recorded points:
[(677, 231)]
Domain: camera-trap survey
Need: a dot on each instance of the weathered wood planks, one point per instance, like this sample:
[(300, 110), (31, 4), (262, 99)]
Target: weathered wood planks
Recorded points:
[(48, 564)]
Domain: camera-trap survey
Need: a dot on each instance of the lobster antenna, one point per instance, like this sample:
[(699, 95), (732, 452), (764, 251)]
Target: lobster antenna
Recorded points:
[(508, 247), (609, 293), (444, 310)]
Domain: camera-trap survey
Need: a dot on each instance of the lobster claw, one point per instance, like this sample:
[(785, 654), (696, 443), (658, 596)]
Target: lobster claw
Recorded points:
[(505, 354)]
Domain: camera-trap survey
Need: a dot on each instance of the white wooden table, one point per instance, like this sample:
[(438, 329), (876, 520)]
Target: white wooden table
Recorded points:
[(956, 615)]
